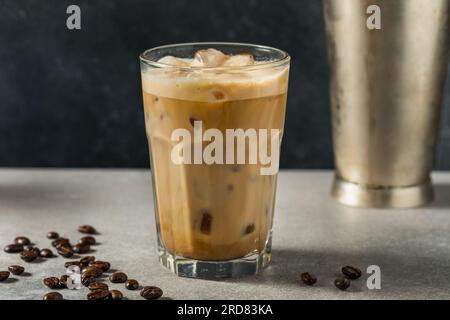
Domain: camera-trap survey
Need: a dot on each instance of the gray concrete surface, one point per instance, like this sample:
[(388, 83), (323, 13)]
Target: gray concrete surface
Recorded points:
[(311, 233)]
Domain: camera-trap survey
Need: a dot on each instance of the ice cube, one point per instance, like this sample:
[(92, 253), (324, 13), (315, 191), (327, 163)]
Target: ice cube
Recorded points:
[(174, 61), (209, 58), (239, 60)]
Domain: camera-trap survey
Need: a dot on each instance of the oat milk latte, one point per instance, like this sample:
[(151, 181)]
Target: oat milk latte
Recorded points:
[(223, 210)]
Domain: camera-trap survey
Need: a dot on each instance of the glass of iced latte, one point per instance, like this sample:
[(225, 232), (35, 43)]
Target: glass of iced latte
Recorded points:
[(214, 115)]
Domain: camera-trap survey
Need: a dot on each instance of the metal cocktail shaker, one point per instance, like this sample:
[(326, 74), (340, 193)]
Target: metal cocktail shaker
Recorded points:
[(386, 90)]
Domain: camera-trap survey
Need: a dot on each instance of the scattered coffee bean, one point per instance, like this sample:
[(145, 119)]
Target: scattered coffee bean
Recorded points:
[(46, 253), (342, 283), (93, 271), (61, 242), (13, 248), (4, 275), (81, 248), (52, 235), (116, 295), (351, 272), (118, 277), (250, 228), (87, 240), (98, 286), (53, 296), (51, 282), (104, 265), (66, 252), (205, 225), (87, 229), (98, 295), (72, 263), (308, 278), (22, 240), (28, 255), (86, 260), (63, 281), (132, 284), (151, 292), (87, 279), (32, 248), (16, 270)]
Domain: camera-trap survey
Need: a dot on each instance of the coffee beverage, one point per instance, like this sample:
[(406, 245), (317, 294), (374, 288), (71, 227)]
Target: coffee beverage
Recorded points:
[(222, 210)]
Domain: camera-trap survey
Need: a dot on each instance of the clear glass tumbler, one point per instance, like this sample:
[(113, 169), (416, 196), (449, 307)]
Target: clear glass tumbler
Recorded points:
[(214, 122)]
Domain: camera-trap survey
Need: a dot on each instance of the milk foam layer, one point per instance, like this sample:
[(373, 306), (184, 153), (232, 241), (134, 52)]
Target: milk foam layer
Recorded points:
[(212, 76)]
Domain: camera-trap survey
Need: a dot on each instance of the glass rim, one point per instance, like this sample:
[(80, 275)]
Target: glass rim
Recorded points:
[(285, 57)]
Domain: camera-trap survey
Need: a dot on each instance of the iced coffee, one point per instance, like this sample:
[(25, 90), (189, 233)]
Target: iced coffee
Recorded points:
[(214, 215)]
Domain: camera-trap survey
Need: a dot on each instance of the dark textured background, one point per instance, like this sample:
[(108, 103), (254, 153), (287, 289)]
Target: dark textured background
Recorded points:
[(72, 98)]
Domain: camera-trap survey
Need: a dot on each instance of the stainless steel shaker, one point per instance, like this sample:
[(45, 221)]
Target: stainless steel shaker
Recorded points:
[(386, 91)]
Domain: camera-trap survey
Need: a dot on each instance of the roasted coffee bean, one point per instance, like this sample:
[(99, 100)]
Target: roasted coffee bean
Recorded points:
[(72, 263), (98, 286), (87, 279), (342, 283), (116, 295), (81, 248), (151, 292), (86, 260), (87, 229), (104, 265), (51, 282), (205, 225), (98, 295), (87, 240), (52, 235), (66, 252), (132, 284), (308, 278), (28, 255), (63, 281), (16, 270), (22, 240), (35, 249), (13, 248), (118, 277), (4, 275), (53, 296), (250, 228), (61, 242), (351, 272), (93, 271), (46, 253)]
